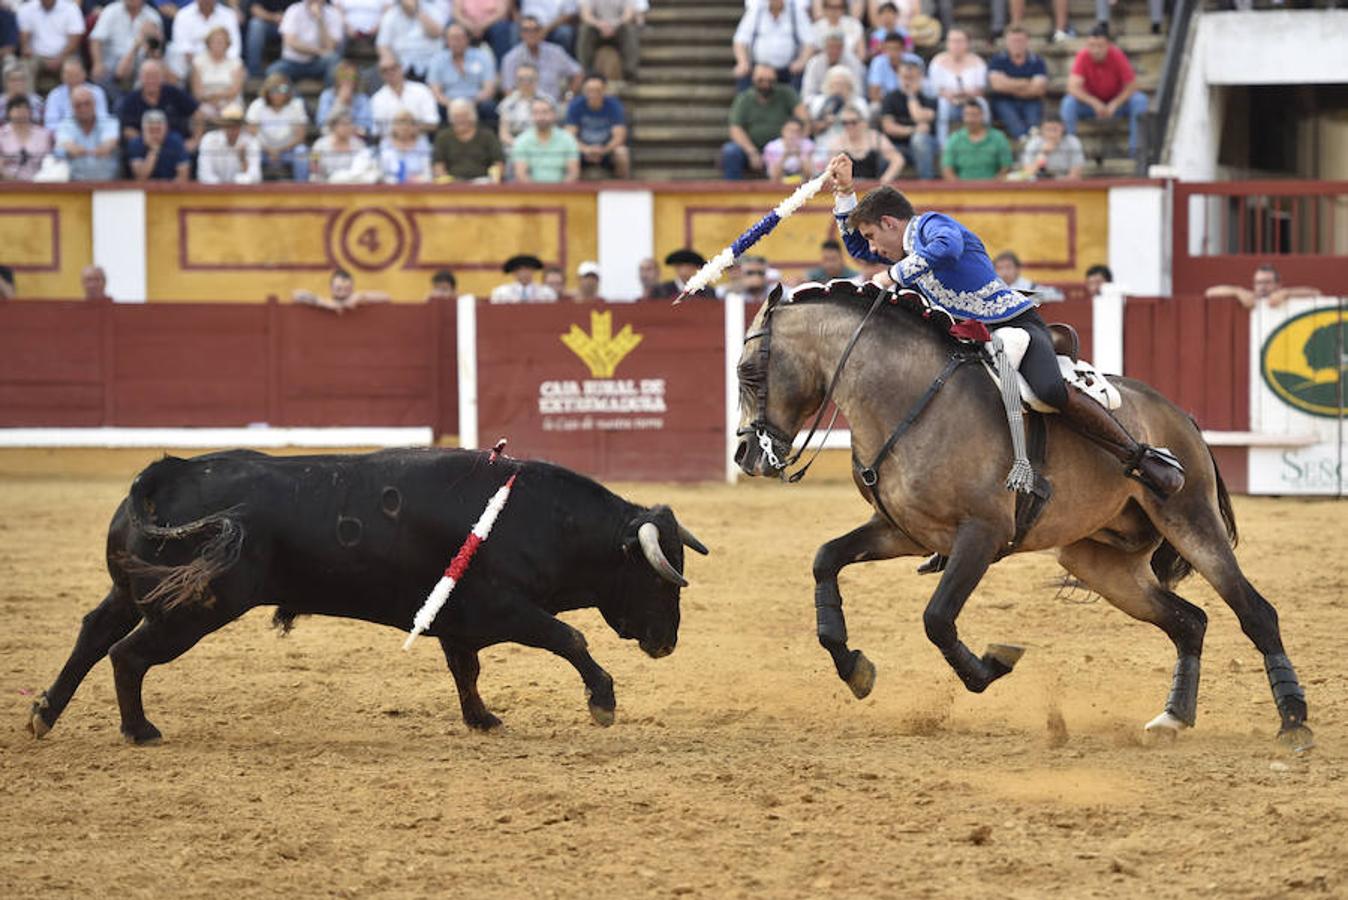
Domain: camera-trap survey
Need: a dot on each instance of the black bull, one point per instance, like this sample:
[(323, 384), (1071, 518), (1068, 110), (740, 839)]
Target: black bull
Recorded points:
[(199, 542)]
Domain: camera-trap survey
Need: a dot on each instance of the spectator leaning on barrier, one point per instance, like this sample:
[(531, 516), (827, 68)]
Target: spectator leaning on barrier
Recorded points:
[(956, 75), (1017, 82), (311, 41), (461, 72), (159, 153), (87, 142), (555, 278), (280, 121), (587, 282), (791, 155), (834, 54), (466, 151), (19, 84), (119, 41), (49, 31), (410, 34), (444, 287), (1103, 85), (229, 154), (545, 153), (774, 34), (597, 121), (558, 74), (264, 27), (340, 156), (154, 94), (976, 151), (832, 264), (399, 93), (58, 108), (94, 282), (346, 96), (756, 117), (1097, 276), (612, 22), (1267, 289), (405, 153), (522, 288), (191, 25), (23, 143), (1052, 153), (344, 295), (516, 111), (217, 77), (833, 18), (908, 118)]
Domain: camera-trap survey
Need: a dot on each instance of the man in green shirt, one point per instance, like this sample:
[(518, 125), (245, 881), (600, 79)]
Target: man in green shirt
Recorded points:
[(546, 153), (464, 151), (756, 117), (976, 151)]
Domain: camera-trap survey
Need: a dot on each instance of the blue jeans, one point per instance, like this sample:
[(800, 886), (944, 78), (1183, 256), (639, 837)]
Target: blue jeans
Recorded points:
[(323, 67), (297, 157), (1071, 109), (733, 161), (255, 42), (920, 152), (501, 37), (564, 36), (1017, 115)]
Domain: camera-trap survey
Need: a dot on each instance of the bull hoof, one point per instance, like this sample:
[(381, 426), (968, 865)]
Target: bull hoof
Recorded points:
[(145, 736), (862, 679), (36, 725), (1297, 738), (1166, 726), (602, 717)]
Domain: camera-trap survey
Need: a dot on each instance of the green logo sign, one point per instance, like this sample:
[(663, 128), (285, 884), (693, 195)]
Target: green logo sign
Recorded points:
[(1305, 362)]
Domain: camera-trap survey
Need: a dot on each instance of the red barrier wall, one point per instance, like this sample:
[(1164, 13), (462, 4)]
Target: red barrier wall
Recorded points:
[(656, 414), (195, 365)]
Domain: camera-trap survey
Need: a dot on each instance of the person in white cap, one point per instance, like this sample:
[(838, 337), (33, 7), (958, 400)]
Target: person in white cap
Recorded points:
[(587, 281)]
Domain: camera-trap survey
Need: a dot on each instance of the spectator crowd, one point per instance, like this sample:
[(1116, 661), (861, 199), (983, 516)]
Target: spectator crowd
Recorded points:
[(820, 77), (411, 90)]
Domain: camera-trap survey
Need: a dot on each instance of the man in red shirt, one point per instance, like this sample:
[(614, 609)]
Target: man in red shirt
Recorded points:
[(1102, 84)]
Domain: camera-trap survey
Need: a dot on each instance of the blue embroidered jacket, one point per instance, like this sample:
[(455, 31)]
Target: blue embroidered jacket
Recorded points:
[(946, 263)]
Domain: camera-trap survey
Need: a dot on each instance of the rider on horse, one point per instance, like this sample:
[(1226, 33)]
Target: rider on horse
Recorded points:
[(947, 264)]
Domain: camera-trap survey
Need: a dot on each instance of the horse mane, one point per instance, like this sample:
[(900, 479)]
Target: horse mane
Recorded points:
[(905, 308)]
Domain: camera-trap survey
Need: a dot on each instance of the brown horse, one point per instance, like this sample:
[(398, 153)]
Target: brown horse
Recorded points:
[(939, 487)]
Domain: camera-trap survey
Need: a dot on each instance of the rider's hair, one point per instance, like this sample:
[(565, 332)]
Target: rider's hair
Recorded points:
[(881, 202)]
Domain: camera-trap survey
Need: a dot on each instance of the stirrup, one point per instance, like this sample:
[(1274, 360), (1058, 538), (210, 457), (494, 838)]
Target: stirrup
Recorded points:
[(1132, 467)]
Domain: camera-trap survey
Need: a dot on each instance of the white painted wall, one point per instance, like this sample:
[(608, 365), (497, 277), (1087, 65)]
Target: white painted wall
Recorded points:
[(626, 236), (119, 242), (1246, 48), (1139, 239)]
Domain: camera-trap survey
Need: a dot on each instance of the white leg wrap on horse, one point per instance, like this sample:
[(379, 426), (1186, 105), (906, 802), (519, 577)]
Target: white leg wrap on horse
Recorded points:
[(1021, 476), (1165, 722)]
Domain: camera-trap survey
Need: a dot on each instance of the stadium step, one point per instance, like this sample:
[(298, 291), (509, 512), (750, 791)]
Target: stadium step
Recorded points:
[(690, 97), (715, 75), (691, 114), (686, 55), (681, 156), (683, 133), (727, 14)]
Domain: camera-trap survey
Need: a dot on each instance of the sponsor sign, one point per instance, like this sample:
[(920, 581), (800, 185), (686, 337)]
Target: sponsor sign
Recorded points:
[(628, 392), (1300, 351)]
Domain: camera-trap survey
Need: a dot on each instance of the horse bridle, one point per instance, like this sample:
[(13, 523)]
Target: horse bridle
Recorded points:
[(769, 436)]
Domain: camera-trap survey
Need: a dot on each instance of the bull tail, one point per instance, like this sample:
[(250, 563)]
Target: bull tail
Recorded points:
[(1166, 563), (220, 537)]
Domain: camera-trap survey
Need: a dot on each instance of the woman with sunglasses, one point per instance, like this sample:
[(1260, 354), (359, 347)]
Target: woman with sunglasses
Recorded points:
[(872, 154)]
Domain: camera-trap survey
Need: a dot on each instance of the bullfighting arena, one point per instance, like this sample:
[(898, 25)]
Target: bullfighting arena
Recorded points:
[(329, 763)]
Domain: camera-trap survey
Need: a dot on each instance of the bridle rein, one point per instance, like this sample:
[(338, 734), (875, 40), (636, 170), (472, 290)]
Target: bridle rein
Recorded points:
[(769, 436)]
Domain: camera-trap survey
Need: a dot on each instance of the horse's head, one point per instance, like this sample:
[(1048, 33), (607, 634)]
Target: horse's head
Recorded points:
[(779, 388)]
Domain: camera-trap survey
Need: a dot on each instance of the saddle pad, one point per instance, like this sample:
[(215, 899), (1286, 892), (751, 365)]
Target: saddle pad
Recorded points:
[(1080, 374)]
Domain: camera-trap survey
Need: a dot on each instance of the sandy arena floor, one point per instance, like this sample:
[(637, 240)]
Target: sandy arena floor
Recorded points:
[(331, 764)]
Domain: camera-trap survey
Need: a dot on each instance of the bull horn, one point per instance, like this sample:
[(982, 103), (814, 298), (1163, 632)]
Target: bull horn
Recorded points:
[(649, 536), (690, 540)]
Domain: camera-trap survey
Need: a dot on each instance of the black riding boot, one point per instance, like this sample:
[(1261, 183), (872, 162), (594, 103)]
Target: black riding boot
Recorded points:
[(1157, 469)]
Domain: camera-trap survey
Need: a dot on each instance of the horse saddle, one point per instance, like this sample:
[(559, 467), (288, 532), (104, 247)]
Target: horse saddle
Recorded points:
[(1075, 371)]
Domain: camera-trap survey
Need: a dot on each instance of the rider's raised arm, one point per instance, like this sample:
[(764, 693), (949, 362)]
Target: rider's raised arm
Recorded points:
[(843, 204)]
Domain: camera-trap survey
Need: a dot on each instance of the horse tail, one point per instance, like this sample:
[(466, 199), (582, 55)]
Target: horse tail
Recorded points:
[(1166, 563), (221, 537)]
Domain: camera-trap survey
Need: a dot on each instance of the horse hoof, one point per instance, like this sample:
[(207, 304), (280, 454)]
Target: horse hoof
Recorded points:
[(602, 717), (1297, 738), (1166, 725), (1006, 654), (148, 736), (862, 679), (36, 725)]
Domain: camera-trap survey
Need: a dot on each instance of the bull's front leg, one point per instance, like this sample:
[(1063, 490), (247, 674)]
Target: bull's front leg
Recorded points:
[(533, 627), (464, 666), (877, 539)]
